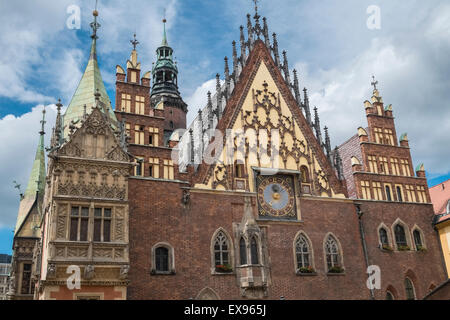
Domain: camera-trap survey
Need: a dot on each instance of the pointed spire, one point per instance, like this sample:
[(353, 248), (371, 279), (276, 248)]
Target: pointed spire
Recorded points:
[(90, 83), (327, 144), (317, 126), (227, 78), (287, 77), (219, 97), (306, 106), (164, 42), (250, 32), (276, 55), (266, 33), (243, 45), (200, 130), (191, 135), (235, 62), (210, 111), (296, 89)]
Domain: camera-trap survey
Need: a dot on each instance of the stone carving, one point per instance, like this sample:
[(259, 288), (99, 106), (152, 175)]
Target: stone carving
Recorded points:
[(51, 271), (186, 197), (89, 272), (124, 272)]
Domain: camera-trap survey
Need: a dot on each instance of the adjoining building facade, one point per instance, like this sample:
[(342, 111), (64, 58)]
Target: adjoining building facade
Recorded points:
[(249, 201), (5, 269), (440, 196)]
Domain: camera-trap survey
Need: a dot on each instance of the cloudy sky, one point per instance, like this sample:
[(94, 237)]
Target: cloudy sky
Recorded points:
[(328, 42)]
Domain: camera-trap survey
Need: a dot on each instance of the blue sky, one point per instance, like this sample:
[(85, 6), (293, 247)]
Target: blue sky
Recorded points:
[(327, 41)]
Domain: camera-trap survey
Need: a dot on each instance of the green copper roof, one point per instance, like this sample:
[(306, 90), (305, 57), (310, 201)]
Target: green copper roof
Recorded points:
[(36, 183), (85, 93), (420, 167)]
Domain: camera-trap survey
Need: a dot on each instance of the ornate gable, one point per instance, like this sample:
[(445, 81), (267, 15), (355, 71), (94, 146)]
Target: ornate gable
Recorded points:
[(95, 139), (260, 105)]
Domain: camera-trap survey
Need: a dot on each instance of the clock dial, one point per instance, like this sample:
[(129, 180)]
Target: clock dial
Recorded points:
[(276, 196)]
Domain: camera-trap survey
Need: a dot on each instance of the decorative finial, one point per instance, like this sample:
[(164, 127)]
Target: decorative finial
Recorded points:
[(256, 8), (374, 83), (43, 122), (164, 42), (134, 42), (95, 25)]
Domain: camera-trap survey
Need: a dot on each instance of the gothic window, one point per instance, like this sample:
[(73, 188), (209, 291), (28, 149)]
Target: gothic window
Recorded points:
[(400, 236), (399, 194), (389, 137), (388, 193), (79, 221), (409, 288), (405, 167), (389, 296), (384, 237), (302, 252), (221, 250), (26, 279), (254, 251), (417, 239), (163, 259), (378, 135), (242, 252), (102, 224), (332, 253)]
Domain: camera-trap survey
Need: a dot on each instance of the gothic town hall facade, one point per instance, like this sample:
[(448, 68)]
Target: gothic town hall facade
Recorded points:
[(131, 205)]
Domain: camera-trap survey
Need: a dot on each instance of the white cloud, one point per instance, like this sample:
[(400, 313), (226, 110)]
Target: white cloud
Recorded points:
[(199, 99)]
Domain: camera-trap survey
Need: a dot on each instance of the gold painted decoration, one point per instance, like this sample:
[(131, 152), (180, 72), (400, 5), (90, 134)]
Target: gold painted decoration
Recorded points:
[(276, 197)]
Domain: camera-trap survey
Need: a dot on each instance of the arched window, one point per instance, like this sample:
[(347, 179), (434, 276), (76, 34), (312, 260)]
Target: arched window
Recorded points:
[(388, 193), (389, 296), (417, 239), (384, 237), (409, 288), (332, 253), (302, 252), (254, 251), (400, 236), (162, 259), (243, 252), (221, 250), (399, 194)]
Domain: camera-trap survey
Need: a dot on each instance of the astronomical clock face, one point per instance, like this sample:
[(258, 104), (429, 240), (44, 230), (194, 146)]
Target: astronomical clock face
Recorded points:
[(276, 197)]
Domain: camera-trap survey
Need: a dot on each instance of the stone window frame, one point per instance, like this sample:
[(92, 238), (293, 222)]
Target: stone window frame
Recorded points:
[(310, 250), (392, 291), (171, 265), (388, 185), (87, 295), (422, 237), (207, 292), (340, 253), (402, 194), (407, 233), (230, 251), (377, 190), (247, 241), (389, 235), (413, 288)]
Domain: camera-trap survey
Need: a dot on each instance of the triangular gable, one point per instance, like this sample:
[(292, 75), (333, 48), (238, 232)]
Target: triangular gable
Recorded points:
[(245, 89), (95, 139)]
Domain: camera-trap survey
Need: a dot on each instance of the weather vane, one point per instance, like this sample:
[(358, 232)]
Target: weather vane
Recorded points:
[(134, 42), (95, 25), (374, 83)]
